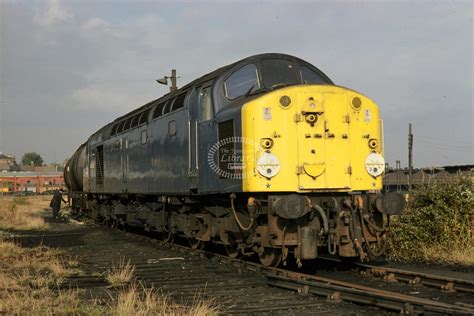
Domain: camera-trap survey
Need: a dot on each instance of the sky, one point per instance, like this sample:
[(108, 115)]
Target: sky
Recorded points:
[(69, 67)]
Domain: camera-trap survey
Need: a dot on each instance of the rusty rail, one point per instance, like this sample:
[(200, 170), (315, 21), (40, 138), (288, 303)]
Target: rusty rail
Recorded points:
[(343, 291), (418, 278), (337, 290)]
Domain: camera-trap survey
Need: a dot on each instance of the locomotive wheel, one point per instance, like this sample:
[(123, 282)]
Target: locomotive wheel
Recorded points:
[(167, 237), (232, 251), (270, 257), (196, 243)]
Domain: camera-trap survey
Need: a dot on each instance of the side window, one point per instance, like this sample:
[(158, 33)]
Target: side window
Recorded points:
[(134, 121), (167, 107), (240, 82), (120, 127), (114, 129), (158, 110), (127, 124), (205, 105), (144, 117), (310, 76), (179, 101)]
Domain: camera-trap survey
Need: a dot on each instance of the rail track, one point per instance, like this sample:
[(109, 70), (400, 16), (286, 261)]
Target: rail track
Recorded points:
[(417, 278), (180, 273), (446, 284), (241, 287), (336, 290)]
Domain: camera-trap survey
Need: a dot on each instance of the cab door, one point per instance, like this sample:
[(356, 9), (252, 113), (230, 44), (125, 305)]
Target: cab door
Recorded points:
[(323, 145), (193, 116), (200, 114)]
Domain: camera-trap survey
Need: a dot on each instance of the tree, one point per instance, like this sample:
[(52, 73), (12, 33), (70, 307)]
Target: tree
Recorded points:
[(32, 159)]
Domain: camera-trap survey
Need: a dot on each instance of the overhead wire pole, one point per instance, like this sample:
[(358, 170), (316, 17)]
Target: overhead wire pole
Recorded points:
[(410, 156)]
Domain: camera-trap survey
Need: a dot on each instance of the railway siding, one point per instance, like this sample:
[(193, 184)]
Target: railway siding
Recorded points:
[(181, 275), (237, 287)]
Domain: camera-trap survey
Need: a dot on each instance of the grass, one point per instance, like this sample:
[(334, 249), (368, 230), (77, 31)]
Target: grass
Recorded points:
[(120, 274), (32, 279), (23, 213), (136, 299)]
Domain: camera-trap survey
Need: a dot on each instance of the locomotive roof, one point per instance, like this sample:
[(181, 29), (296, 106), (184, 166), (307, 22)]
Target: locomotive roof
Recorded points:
[(209, 76)]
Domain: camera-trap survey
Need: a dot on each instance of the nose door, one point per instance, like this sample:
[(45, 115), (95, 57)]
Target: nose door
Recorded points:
[(323, 144)]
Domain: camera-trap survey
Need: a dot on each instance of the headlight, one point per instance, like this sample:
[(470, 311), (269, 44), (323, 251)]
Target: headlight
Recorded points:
[(375, 164), (268, 165), (285, 101)]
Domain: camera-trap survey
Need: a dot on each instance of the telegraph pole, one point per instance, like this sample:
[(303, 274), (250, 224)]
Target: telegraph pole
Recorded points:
[(410, 156), (399, 186), (173, 80)]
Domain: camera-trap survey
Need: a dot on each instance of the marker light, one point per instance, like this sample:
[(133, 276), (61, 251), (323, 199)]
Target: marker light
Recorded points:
[(375, 164), (268, 165)]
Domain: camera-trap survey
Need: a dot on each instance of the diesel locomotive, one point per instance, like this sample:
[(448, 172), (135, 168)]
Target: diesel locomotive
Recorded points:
[(265, 156)]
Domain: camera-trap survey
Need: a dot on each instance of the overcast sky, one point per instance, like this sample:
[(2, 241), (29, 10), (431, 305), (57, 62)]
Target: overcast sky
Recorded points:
[(69, 67)]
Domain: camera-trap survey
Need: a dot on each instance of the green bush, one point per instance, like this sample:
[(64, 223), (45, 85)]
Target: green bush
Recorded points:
[(436, 226)]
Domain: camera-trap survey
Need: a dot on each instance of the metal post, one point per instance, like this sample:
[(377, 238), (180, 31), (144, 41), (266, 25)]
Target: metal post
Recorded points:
[(399, 186), (410, 156), (173, 80)]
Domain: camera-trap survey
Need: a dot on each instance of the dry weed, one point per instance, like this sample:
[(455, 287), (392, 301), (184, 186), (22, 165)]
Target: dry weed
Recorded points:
[(27, 276), (121, 273), (136, 299), (435, 254), (46, 302), (31, 267), (23, 213)]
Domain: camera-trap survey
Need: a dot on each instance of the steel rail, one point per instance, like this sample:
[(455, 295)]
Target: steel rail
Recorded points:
[(332, 289), (419, 278), (337, 290)]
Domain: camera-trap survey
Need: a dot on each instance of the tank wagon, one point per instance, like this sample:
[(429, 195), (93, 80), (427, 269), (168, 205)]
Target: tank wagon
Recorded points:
[(265, 156)]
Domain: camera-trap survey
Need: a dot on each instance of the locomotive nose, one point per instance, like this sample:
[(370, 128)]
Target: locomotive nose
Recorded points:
[(313, 137)]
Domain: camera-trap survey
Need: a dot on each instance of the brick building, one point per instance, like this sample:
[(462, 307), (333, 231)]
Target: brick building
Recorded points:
[(7, 162), (37, 182)]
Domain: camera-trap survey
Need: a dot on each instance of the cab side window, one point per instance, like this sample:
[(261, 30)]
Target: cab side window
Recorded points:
[(205, 105), (242, 81)]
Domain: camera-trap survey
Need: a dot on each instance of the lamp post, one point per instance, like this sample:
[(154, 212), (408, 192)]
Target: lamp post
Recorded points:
[(173, 78)]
